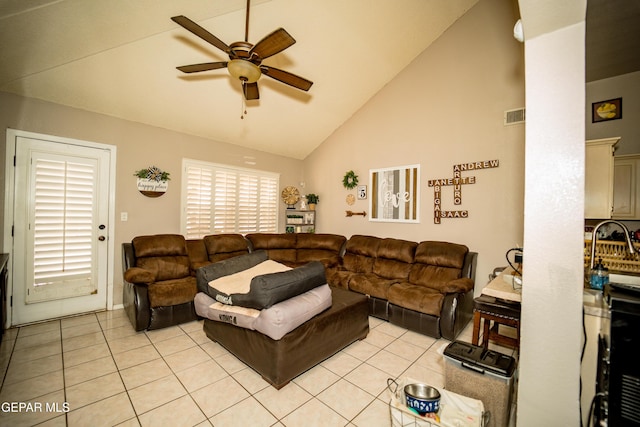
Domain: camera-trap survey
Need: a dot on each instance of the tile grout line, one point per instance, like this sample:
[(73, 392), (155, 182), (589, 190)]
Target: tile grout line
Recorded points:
[(137, 416), (175, 374), (64, 380)]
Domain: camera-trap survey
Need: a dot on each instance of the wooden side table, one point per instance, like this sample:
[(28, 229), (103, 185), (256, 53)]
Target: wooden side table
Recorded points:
[(498, 305), (491, 313)]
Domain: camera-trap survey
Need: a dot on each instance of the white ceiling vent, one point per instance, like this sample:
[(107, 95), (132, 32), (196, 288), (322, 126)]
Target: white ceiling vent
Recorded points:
[(514, 117)]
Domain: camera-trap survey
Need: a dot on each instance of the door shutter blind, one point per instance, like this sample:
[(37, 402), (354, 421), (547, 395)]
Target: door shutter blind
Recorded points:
[(221, 199), (62, 220)]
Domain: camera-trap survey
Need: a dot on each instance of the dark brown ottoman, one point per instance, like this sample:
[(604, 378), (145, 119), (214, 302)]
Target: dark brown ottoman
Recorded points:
[(309, 344)]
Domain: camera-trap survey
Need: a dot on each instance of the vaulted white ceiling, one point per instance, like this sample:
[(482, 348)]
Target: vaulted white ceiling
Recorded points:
[(119, 58)]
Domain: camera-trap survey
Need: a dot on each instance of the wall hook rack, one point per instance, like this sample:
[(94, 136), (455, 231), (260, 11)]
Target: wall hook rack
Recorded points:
[(350, 213)]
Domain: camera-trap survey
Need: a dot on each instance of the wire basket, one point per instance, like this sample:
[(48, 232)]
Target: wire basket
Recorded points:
[(455, 410), (615, 255)]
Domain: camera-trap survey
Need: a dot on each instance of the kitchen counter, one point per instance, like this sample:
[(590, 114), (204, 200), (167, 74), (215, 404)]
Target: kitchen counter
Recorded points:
[(503, 287)]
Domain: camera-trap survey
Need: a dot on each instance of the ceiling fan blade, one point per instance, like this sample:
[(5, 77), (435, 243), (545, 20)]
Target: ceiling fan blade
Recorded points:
[(273, 43), (250, 91), (196, 68), (287, 77), (196, 29)]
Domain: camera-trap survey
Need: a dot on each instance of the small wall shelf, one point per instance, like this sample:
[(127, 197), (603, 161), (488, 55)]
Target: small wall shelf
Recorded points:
[(300, 221)]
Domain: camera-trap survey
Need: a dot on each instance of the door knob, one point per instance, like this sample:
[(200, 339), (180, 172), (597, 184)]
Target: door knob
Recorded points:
[(101, 238)]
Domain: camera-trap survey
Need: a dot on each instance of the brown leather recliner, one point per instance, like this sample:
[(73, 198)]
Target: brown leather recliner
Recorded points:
[(158, 285)]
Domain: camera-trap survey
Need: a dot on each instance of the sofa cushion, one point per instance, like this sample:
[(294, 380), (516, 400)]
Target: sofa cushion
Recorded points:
[(197, 254), (164, 255), (394, 258), (279, 247), (436, 264), (422, 299), (371, 284), (172, 292), (319, 247), (442, 254), (338, 278), (360, 253), (224, 246), (454, 286)]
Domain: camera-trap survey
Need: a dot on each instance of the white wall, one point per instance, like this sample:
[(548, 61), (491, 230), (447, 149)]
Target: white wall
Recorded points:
[(445, 108)]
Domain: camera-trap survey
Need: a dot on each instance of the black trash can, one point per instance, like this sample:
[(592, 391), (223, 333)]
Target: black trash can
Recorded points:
[(487, 375)]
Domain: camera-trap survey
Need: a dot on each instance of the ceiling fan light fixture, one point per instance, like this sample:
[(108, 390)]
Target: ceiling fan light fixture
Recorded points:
[(244, 70)]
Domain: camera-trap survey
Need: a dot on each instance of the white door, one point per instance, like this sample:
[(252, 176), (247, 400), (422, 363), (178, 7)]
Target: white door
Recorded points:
[(61, 214)]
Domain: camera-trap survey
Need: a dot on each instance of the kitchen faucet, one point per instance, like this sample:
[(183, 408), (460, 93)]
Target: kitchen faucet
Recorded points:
[(632, 250)]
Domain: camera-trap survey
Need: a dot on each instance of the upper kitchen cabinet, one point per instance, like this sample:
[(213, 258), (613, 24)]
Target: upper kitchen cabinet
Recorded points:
[(599, 177), (626, 200)]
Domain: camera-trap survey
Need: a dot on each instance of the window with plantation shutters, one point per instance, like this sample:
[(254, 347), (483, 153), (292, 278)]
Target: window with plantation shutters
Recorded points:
[(222, 199)]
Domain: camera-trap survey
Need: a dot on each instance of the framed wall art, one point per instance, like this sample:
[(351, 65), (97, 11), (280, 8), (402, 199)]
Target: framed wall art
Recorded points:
[(603, 111), (394, 195)]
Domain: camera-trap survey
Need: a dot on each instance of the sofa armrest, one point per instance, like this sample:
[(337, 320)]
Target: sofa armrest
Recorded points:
[(469, 266), (139, 275), (457, 311), (128, 256), (135, 300)]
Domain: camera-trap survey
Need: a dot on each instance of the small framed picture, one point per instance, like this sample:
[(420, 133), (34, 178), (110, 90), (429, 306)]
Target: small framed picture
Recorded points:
[(362, 192), (603, 111)]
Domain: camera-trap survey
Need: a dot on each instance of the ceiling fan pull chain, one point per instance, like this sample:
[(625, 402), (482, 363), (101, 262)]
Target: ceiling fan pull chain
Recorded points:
[(243, 109)]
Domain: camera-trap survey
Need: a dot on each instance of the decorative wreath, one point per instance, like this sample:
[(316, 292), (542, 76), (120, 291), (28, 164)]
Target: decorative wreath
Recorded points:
[(153, 173), (350, 180)]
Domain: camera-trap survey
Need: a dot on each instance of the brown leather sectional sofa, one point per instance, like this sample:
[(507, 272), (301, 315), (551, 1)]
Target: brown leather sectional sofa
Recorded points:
[(426, 287)]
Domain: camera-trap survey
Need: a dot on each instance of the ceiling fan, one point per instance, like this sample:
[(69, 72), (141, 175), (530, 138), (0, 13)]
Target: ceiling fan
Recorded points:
[(245, 59)]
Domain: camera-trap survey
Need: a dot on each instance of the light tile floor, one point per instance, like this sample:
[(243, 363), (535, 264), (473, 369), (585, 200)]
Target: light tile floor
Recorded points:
[(95, 370)]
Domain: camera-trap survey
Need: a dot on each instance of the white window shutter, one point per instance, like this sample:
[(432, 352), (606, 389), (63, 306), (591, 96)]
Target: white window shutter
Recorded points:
[(199, 190), (268, 205), (222, 199)]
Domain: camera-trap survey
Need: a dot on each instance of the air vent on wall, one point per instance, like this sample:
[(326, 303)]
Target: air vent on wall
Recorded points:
[(514, 117)]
